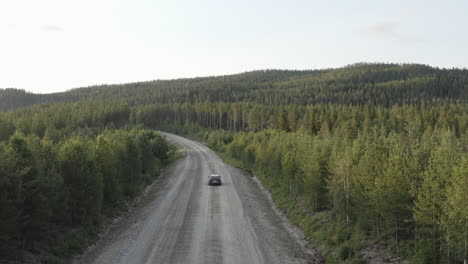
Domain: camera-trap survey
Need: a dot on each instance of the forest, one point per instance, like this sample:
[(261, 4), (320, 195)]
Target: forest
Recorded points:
[(397, 175), (405, 186), (367, 152), (63, 168), (375, 84)]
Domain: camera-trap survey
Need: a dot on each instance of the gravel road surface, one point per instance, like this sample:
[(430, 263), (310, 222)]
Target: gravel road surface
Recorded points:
[(183, 220)]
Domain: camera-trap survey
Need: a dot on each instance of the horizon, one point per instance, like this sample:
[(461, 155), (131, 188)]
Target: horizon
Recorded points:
[(237, 73), (49, 47)]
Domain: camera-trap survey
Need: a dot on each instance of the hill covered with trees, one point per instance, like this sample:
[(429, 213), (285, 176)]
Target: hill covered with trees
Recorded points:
[(365, 152), (376, 84)]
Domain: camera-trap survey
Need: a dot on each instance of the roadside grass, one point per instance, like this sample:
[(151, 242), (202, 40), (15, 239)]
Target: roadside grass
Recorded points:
[(174, 155), (72, 244), (335, 240)]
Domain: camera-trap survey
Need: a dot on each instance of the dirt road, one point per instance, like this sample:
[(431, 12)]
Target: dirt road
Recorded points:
[(183, 220)]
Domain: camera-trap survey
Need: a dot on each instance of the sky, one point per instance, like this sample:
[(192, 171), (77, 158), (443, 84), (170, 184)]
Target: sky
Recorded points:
[(54, 45)]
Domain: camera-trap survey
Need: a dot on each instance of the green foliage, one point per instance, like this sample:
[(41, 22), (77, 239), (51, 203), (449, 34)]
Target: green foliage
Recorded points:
[(77, 162), (57, 121), (376, 84), (380, 149), (63, 184), (374, 184), (346, 252), (73, 242)]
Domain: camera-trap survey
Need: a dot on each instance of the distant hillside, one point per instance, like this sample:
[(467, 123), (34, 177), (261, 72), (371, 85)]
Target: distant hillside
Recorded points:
[(377, 84), (15, 98)]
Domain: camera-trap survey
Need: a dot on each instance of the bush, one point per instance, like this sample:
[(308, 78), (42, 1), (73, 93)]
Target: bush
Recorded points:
[(346, 252), (423, 253)]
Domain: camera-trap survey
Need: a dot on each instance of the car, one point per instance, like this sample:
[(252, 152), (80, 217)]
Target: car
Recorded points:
[(214, 179)]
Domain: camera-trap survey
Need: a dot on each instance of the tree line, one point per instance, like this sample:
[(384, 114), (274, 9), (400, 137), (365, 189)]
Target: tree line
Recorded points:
[(248, 117), (376, 84)]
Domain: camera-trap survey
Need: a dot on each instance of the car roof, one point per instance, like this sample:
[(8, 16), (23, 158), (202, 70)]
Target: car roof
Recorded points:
[(215, 175)]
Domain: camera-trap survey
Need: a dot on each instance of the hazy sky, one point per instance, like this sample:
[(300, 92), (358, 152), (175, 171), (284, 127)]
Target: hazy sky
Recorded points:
[(48, 46)]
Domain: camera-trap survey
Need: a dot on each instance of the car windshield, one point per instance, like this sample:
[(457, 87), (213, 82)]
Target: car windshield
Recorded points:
[(215, 177)]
